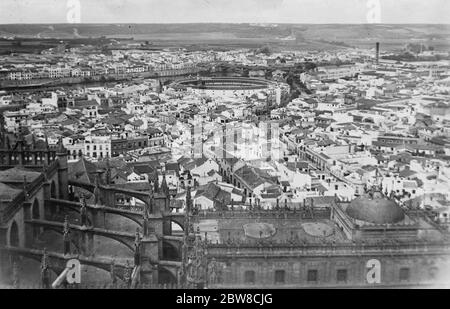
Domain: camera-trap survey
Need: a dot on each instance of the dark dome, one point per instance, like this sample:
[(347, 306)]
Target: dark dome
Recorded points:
[(378, 210)]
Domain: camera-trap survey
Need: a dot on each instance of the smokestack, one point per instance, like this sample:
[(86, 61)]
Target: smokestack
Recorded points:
[(377, 52)]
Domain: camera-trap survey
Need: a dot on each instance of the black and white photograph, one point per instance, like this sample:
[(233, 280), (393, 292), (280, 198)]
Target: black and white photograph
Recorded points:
[(214, 145)]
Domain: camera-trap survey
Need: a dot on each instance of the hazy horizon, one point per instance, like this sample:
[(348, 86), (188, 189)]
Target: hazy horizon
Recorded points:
[(225, 23), (225, 11)]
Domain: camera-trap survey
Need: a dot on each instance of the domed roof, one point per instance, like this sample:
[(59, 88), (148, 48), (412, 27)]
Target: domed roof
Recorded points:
[(378, 209)]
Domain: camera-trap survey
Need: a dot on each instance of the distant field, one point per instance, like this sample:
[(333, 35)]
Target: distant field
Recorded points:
[(305, 36)]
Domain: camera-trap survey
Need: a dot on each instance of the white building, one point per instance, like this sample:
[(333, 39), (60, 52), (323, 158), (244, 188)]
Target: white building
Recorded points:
[(97, 146)]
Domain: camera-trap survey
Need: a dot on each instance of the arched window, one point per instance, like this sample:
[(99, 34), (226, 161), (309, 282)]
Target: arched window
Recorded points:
[(14, 235), (53, 190), (280, 276), (404, 274), (35, 209), (249, 277)]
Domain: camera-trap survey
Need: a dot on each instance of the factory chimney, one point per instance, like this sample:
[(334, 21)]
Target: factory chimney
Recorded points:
[(377, 52)]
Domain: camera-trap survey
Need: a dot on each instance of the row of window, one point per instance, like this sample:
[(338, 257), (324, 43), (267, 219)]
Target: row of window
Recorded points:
[(94, 154), (397, 141), (129, 145), (94, 147), (39, 157), (313, 276)]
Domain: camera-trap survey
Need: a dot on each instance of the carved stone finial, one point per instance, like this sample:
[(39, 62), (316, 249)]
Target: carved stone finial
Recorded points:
[(66, 225), (112, 271), (108, 171), (15, 274), (137, 238), (45, 278), (61, 149), (127, 274), (44, 263), (83, 210), (25, 183)]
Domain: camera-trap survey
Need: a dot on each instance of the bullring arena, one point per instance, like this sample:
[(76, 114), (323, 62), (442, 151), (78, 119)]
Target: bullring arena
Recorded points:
[(226, 86)]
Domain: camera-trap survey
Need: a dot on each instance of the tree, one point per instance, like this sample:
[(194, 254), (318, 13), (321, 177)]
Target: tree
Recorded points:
[(265, 50), (308, 66)]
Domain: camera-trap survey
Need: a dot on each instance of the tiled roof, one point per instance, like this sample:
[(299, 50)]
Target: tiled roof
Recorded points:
[(136, 186), (293, 166), (7, 193), (85, 103), (214, 193), (17, 174), (82, 170), (253, 177), (144, 169), (406, 173)]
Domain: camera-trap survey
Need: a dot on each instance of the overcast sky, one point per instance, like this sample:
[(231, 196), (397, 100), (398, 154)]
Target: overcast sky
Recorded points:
[(224, 11)]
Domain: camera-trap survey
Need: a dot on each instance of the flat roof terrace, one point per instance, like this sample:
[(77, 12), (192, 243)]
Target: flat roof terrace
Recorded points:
[(253, 230)]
